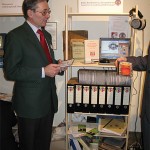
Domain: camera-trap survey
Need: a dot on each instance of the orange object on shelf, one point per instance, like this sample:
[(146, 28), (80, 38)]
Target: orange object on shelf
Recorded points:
[(125, 68)]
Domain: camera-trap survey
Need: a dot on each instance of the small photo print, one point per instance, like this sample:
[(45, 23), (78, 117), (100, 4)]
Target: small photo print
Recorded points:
[(82, 128), (114, 34)]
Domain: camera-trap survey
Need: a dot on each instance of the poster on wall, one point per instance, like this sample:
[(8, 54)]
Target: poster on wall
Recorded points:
[(118, 27), (100, 6), (51, 27), (11, 6)]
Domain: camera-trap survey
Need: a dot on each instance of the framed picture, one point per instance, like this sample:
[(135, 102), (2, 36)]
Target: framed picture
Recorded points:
[(51, 27), (100, 6), (2, 39), (11, 7)]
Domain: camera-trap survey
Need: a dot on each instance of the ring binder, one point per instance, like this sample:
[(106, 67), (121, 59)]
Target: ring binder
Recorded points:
[(126, 100), (110, 100), (78, 98), (70, 98), (94, 99), (86, 98), (101, 99), (118, 99)]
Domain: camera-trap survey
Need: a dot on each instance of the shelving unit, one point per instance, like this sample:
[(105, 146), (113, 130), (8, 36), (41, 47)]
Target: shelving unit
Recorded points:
[(68, 26)]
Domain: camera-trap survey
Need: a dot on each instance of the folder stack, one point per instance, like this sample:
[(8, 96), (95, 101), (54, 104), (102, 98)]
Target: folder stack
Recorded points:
[(102, 77), (78, 98), (93, 98)]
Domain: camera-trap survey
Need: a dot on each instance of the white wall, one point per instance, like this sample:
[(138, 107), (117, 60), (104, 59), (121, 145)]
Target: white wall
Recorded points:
[(58, 15)]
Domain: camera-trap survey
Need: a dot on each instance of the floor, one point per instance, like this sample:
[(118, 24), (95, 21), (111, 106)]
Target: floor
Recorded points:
[(60, 144)]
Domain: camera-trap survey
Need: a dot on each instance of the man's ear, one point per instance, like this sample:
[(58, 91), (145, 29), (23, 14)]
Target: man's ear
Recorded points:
[(30, 13)]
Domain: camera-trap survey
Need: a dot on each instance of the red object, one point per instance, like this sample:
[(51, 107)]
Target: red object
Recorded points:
[(44, 45), (125, 70)]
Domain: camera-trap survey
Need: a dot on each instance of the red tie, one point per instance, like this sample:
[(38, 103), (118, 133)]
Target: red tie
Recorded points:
[(44, 45)]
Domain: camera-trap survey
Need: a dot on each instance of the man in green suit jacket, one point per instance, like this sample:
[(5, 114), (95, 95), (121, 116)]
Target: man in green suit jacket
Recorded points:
[(25, 62)]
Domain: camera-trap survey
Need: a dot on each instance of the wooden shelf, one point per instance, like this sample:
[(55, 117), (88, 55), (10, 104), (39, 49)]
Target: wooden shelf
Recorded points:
[(103, 114), (68, 22), (95, 64), (97, 14), (11, 15)]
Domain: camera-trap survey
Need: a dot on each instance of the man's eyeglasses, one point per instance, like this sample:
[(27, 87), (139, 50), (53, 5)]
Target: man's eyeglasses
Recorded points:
[(44, 12)]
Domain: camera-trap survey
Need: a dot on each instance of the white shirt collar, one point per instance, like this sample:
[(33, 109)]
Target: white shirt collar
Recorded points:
[(34, 28)]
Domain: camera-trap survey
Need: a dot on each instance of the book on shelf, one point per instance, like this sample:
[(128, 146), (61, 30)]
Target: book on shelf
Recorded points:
[(88, 138), (84, 138), (88, 141), (115, 126), (73, 130), (91, 48), (83, 143), (106, 134), (92, 132), (78, 129), (77, 47), (116, 142), (108, 147), (102, 122), (73, 34), (74, 144)]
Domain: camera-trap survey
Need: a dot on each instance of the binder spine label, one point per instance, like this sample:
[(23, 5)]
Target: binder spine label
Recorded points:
[(118, 92), (126, 95), (110, 92), (71, 94), (78, 93), (102, 92), (94, 91), (86, 94)]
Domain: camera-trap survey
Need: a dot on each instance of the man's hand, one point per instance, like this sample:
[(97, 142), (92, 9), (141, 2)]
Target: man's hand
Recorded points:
[(52, 69), (121, 59), (62, 68)]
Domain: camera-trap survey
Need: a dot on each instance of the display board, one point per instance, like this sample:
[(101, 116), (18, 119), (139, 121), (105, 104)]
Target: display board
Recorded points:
[(100, 6), (10, 7)]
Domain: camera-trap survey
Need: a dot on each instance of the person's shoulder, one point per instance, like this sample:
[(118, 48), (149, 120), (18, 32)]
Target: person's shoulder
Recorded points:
[(18, 30)]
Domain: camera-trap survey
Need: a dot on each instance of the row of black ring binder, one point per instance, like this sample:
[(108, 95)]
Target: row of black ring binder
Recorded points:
[(110, 99)]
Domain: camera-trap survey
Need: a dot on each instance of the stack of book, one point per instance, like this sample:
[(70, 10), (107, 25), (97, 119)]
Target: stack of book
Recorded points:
[(88, 141), (75, 36), (82, 135), (111, 143), (113, 126)]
